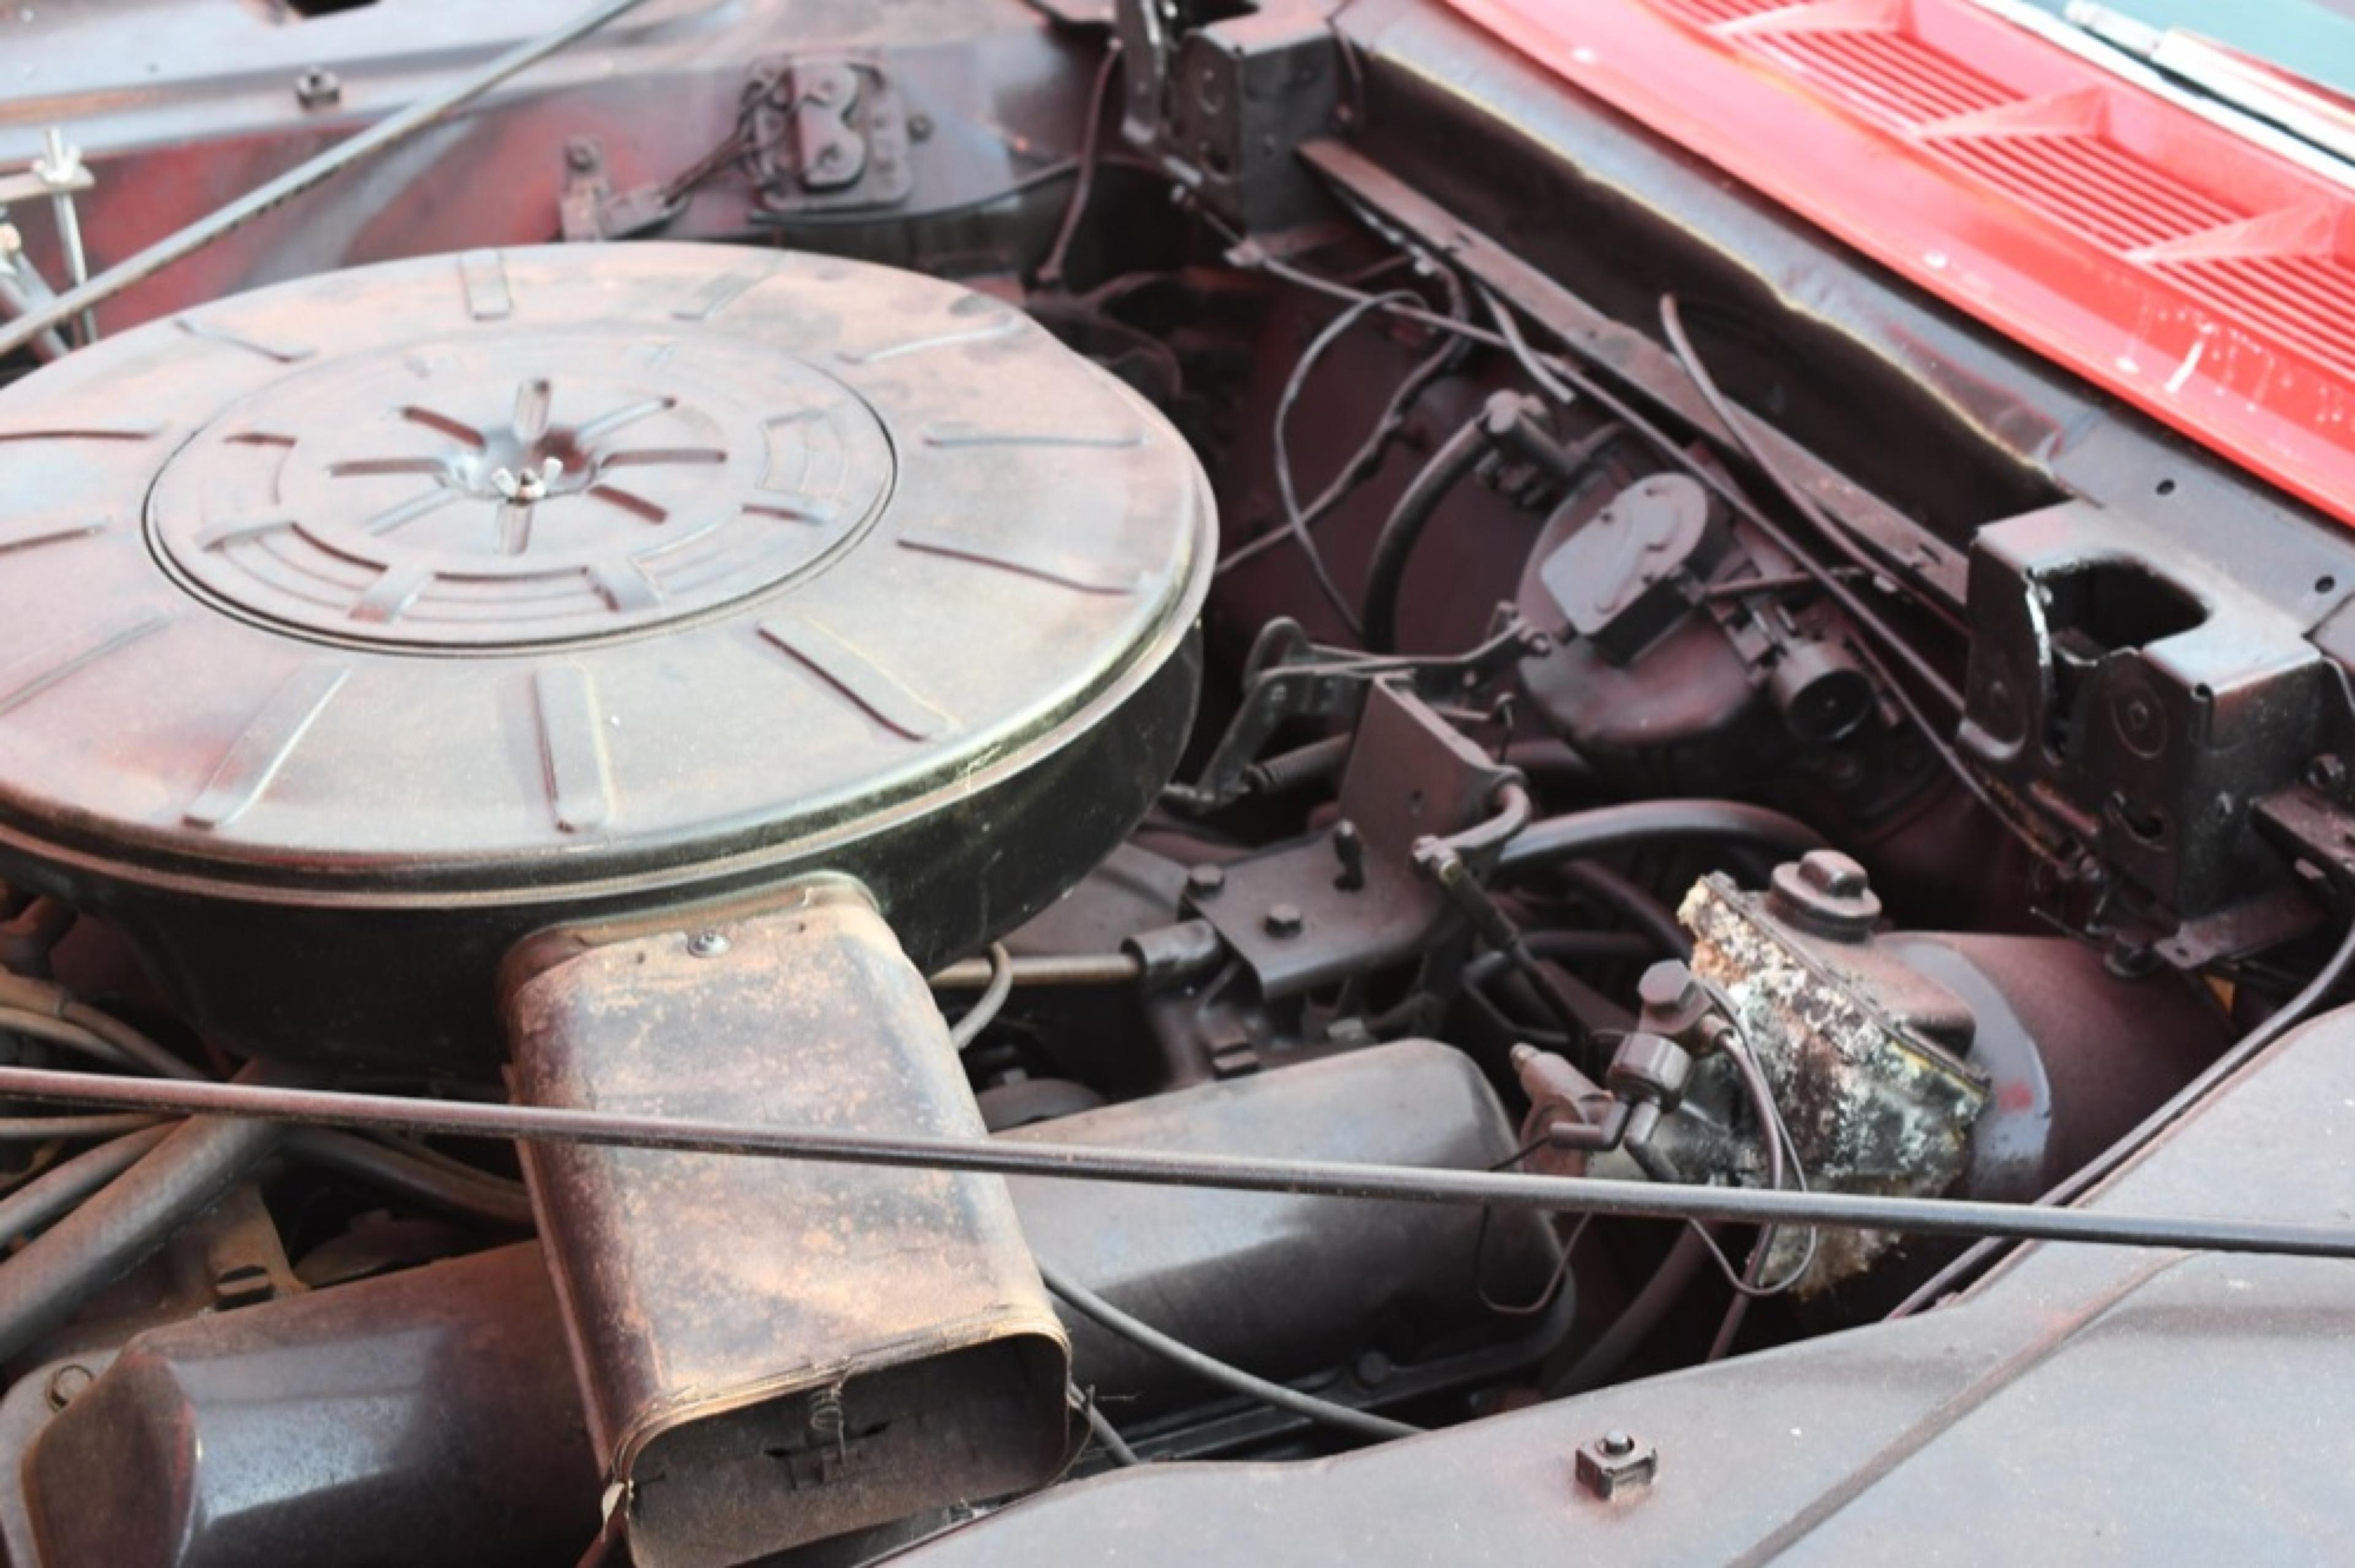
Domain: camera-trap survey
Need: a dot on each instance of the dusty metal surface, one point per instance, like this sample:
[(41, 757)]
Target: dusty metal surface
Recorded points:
[(434, 1407), (1396, 1279), (659, 519), (182, 105), (774, 1353), (1280, 1285), (2044, 1418)]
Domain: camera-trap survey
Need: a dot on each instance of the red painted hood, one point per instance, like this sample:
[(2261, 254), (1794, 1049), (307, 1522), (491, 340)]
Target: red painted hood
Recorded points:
[(2202, 277)]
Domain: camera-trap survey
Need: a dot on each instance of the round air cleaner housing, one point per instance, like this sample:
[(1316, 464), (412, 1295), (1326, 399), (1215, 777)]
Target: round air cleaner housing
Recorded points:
[(354, 628)]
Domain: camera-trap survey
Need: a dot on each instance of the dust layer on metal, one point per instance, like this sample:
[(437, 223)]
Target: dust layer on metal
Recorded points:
[(228, 219), (776, 1352)]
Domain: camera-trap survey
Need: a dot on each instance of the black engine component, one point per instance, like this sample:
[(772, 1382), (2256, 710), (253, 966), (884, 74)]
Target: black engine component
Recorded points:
[(1685, 661), (444, 1402), (2146, 704)]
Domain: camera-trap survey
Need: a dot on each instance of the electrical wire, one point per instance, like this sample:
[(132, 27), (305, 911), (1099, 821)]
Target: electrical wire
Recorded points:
[(1364, 461), (1324, 1411), (1049, 274), (1567, 378), (57, 1031), (47, 1011), (1518, 346), (1806, 505), (1778, 1138), (1545, 1296), (1672, 323), (986, 1007), (1295, 526), (2027, 835), (1100, 1426), (1654, 924), (1609, 1350)]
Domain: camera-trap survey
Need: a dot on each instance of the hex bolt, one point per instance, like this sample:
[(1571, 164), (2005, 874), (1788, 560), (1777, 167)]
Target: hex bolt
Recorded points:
[(706, 945), (1828, 893), (1350, 848), (1205, 880), (1667, 988), (1284, 921), (318, 89)]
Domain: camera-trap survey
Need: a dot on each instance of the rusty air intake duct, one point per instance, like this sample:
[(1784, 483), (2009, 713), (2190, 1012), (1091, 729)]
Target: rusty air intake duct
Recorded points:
[(670, 651)]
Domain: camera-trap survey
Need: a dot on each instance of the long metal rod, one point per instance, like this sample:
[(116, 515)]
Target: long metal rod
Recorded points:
[(1576, 1195), (385, 133)]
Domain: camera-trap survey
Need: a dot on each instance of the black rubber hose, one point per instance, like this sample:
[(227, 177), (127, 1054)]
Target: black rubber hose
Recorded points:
[(1651, 917), (481, 1197), (1386, 571), (1636, 1321), (1604, 828), (56, 1192), (71, 1129), (1564, 946), (120, 1225), (1210, 1369)]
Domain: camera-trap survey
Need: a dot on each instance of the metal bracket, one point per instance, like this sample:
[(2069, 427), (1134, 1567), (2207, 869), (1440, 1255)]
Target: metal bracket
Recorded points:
[(40, 180), (1350, 899), (590, 210), (1287, 677), (829, 133)]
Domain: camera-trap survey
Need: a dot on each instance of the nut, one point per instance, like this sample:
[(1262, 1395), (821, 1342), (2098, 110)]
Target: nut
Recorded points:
[(1204, 881), (1615, 1462), (1284, 921), (318, 89), (1672, 1000)]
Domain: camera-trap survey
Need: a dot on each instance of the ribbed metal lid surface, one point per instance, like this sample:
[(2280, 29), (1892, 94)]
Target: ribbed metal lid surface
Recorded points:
[(539, 566)]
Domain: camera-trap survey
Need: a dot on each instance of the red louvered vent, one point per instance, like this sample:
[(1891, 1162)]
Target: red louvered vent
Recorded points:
[(2192, 270), (2307, 302), (1880, 71), (1709, 13), (2086, 185)]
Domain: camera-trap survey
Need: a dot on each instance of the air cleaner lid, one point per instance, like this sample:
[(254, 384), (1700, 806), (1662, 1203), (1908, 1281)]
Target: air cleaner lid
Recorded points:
[(539, 566)]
